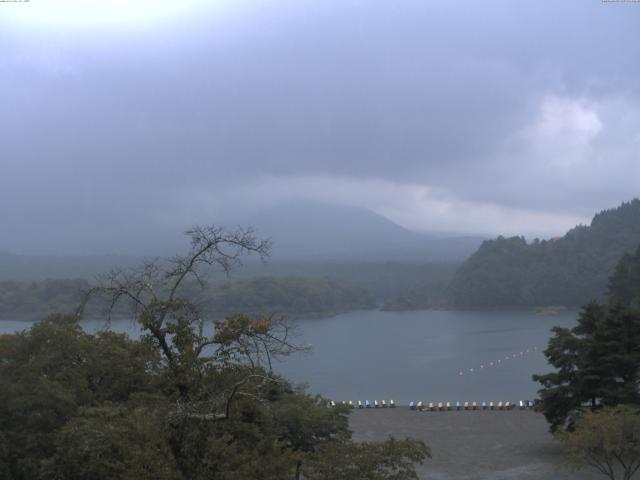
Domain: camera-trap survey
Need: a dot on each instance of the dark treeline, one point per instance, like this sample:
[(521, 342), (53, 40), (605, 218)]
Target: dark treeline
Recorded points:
[(394, 285), (569, 271), (35, 300), (598, 361), (291, 289), (624, 284), (289, 296)]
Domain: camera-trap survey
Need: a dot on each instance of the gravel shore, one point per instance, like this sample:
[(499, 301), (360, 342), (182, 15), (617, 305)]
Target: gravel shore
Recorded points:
[(465, 445)]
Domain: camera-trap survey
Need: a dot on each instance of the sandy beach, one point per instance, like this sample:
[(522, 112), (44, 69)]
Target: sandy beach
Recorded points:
[(469, 445)]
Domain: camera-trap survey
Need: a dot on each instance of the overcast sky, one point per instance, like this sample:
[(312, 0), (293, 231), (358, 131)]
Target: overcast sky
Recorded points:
[(496, 117)]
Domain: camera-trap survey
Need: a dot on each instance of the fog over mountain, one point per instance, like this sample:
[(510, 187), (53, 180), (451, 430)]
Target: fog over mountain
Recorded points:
[(301, 231), (124, 124), (306, 230)]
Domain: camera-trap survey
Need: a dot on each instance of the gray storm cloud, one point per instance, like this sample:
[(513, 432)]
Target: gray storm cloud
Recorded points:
[(488, 117)]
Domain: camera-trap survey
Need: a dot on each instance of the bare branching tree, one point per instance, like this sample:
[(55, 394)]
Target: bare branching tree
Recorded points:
[(241, 346)]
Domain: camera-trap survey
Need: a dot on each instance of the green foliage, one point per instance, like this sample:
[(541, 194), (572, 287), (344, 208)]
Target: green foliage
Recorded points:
[(291, 296), (624, 284), (183, 402), (80, 406), (391, 459), (112, 441), (570, 271), (597, 363), (607, 441), (38, 299), (49, 373)]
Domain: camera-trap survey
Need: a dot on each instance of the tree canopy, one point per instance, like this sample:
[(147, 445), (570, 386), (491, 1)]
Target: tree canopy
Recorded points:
[(598, 361), (607, 441), (192, 399), (293, 296), (571, 271), (624, 284)]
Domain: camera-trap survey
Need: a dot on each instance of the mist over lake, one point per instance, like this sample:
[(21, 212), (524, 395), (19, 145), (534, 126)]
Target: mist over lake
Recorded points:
[(405, 356)]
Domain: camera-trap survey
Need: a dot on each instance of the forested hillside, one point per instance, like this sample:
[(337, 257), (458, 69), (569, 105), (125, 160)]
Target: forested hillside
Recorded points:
[(624, 284), (290, 296), (570, 271)]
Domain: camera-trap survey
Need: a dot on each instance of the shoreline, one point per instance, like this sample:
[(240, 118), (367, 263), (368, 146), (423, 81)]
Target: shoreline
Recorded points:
[(472, 445)]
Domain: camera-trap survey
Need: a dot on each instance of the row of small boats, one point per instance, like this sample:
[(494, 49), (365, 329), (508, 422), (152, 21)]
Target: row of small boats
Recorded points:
[(365, 404), (440, 406), (443, 406)]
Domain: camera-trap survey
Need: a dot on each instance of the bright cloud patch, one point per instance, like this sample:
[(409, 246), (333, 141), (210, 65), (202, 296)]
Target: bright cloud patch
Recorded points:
[(563, 116), (563, 132), (93, 12)]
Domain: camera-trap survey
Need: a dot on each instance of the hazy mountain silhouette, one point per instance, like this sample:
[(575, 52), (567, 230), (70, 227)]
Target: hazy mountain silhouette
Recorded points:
[(301, 232), (316, 231)]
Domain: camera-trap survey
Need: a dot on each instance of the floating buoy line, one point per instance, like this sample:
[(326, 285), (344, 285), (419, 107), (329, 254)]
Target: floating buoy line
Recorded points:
[(447, 406), (498, 362)]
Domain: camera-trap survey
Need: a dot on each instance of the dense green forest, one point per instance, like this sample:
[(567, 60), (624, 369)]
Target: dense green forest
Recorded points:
[(385, 281), (290, 296), (178, 403), (102, 407), (624, 284), (570, 271), (287, 288), (597, 362), (35, 300)]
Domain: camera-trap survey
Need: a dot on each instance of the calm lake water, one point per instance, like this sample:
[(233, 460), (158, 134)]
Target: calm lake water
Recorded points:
[(423, 355)]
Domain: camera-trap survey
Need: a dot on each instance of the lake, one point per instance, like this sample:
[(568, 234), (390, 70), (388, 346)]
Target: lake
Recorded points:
[(425, 355)]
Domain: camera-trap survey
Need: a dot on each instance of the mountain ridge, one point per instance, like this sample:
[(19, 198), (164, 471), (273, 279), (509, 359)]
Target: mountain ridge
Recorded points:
[(328, 231), (571, 270)]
